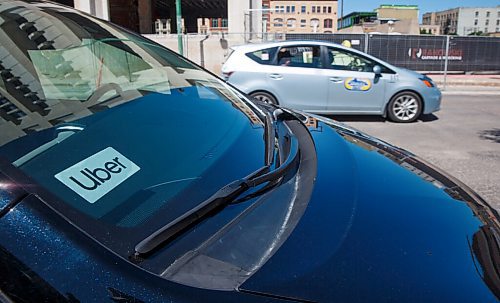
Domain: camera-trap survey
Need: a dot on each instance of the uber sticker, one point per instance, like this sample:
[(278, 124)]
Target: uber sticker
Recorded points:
[(357, 84), (97, 175)]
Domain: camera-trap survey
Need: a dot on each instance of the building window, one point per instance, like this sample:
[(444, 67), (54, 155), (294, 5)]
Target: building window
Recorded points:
[(303, 23), (293, 8), (477, 14), (329, 9), (282, 8), (324, 9), (291, 22), (278, 22), (276, 9), (498, 22), (303, 9), (215, 22), (224, 22), (487, 22), (487, 14), (498, 14), (288, 8), (475, 22), (314, 23), (328, 23), (314, 9), (485, 30)]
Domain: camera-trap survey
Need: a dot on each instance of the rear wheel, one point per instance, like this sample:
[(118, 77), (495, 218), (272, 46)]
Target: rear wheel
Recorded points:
[(405, 107), (264, 97)]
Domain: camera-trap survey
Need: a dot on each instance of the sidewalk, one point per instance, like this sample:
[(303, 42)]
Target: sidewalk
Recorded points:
[(468, 84)]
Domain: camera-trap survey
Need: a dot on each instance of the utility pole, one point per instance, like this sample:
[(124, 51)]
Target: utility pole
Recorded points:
[(179, 26), (446, 60), (342, 9)]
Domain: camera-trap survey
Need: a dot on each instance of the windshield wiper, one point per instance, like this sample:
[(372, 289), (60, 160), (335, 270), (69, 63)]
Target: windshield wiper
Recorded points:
[(223, 197)]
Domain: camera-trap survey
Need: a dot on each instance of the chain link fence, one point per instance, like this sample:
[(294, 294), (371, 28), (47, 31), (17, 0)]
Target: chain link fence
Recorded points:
[(422, 52)]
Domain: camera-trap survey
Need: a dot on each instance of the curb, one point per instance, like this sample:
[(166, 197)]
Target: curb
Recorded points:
[(451, 91), (469, 83)]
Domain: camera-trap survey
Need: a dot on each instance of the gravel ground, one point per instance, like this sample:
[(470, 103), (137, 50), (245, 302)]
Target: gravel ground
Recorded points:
[(463, 139)]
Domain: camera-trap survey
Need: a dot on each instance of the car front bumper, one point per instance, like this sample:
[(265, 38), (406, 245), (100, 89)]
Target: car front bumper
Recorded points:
[(432, 101)]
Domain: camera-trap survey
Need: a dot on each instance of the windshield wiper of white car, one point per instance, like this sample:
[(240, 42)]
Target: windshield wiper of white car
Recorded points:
[(224, 196)]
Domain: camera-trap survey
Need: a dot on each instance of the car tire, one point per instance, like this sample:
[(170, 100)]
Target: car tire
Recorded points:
[(264, 97), (405, 107)]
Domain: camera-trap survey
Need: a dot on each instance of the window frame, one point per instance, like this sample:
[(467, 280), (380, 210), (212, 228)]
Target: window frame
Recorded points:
[(320, 56), (325, 50), (272, 51)]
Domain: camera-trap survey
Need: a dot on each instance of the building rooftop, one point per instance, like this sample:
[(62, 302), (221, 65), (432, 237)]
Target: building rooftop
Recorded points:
[(360, 14), (398, 6)]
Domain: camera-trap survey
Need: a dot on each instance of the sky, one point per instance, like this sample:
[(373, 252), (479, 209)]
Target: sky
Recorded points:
[(423, 5)]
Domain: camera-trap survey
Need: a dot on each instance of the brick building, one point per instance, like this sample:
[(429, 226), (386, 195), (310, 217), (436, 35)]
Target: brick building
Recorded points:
[(315, 16)]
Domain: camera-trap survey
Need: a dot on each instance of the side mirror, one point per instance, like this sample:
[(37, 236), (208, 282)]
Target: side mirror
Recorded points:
[(377, 70)]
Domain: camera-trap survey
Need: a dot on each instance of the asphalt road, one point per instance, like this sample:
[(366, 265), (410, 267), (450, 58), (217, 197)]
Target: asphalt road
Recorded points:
[(463, 139)]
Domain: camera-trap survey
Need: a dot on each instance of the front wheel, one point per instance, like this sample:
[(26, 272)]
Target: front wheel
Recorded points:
[(405, 107), (264, 97)]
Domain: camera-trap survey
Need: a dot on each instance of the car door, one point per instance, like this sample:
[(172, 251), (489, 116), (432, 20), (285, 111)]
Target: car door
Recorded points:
[(298, 78), (352, 84)]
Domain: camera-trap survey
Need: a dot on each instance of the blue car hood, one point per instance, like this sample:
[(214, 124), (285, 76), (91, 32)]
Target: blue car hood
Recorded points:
[(383, 226)]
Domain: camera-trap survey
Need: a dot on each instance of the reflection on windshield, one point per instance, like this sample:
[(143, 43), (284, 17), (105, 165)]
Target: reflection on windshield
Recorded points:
[(77, 66), (77, 73)]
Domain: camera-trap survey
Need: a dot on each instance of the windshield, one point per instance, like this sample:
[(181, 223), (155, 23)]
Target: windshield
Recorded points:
[(103, 118), (121, 136)]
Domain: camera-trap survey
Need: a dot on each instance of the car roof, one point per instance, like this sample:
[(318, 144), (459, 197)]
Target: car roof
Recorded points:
[(258, 46)]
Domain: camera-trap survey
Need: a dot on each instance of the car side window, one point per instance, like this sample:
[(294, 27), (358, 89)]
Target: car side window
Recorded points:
[(300, 56), (344, 60), (263, 56)]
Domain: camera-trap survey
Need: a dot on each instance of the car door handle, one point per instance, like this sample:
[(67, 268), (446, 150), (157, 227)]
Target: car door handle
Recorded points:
[(276, 76), (336, 79)]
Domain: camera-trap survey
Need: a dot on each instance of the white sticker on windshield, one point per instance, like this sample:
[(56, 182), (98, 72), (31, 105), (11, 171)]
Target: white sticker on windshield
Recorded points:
[(97, 175)]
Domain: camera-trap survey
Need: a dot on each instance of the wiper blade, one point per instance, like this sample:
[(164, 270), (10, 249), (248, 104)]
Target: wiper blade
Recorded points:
[(217, 202)]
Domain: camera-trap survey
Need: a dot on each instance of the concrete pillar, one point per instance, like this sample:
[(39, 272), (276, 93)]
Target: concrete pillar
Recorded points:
[(145, 16), (98, 8), (244, 16)]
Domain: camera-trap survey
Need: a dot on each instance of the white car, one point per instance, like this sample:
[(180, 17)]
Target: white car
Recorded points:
[(328, 78)]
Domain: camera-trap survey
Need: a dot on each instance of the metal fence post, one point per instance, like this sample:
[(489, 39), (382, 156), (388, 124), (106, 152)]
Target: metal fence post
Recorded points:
[(446, 61), (366, 43)]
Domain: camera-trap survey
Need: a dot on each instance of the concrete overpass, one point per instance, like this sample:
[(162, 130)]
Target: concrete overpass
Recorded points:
[(139, 15)]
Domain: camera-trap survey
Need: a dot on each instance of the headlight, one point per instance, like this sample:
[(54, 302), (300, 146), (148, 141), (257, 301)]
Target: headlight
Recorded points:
[(427, 81)]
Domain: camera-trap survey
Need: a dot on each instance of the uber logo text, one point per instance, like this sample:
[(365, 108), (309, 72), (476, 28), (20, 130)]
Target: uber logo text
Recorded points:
[(97, 175)]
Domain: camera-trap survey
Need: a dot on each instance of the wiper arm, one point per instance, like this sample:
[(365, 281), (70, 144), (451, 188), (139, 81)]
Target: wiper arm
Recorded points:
[(270, 136), (217, 201)]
